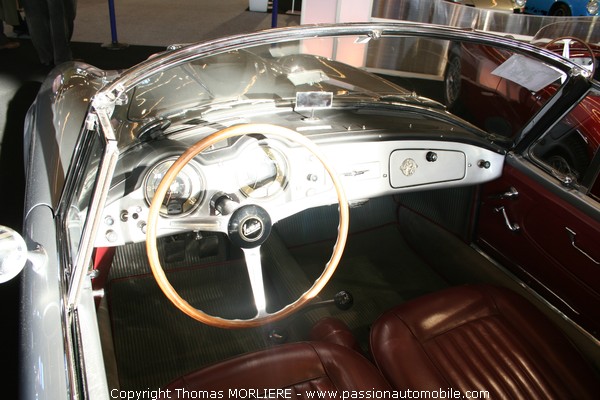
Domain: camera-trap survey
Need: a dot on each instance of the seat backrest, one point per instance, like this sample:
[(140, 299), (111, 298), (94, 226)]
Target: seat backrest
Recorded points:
[(480, 338)]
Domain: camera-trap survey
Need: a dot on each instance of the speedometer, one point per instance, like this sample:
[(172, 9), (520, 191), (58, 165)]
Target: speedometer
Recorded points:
[(263, 171), (185, 193)]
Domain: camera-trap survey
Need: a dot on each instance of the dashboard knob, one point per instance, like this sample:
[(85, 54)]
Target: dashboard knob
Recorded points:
[(111, 235), (484, 164), (431, 156)]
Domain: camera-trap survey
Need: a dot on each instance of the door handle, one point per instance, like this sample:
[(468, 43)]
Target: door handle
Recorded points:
[(510, 194), (572, 236), (513, 227)]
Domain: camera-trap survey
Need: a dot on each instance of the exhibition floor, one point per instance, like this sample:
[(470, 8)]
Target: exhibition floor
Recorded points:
[(159, 23)]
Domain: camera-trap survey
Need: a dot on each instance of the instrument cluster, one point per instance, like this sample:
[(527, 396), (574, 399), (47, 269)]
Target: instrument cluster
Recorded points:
[(258, 171)]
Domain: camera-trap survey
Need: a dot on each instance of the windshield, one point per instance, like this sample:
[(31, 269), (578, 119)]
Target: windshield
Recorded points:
[(246, 75), (420, 66)]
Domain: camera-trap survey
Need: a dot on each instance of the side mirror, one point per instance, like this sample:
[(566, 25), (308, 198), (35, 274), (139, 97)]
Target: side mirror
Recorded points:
[(13, 254)]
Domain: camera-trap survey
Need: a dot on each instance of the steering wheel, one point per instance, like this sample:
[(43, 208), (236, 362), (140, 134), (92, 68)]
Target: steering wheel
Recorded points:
[(247, 226), (566, 51)]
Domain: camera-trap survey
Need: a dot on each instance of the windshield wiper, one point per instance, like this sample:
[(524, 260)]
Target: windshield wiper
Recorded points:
[(413, 98), (153, 129)]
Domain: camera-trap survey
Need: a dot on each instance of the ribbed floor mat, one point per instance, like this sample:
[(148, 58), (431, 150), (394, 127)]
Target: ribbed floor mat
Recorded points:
[(380, 270), (155, 343)]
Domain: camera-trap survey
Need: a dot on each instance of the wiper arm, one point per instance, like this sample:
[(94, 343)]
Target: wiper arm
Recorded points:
[(153, 129), (413, 98), (318, 77), (351, 88)]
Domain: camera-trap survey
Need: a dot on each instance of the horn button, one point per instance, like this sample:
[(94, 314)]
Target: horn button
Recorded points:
[(249, 226)]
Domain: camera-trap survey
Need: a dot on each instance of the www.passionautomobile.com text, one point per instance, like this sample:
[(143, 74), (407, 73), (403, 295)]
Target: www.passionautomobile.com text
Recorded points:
[(290, 394)]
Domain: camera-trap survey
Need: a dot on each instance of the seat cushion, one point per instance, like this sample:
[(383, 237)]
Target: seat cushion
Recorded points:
[(299, 368), (479, 338)]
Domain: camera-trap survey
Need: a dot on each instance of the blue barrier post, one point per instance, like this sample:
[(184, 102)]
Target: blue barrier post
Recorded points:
[(114, 44), (274, 14)]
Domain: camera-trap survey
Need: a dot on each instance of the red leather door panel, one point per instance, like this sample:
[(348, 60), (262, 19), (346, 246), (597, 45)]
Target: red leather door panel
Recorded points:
[(546, 241)]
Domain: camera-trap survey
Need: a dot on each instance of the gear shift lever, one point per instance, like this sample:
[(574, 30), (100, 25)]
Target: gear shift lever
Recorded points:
[(343, 300)]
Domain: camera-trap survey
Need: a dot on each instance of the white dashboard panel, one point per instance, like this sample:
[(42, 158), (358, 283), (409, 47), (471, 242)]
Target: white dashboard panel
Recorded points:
[(366, 170), (374, 169)]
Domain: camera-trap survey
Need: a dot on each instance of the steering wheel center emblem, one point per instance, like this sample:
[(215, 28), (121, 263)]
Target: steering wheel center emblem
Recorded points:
[(251, 229), (249, 226)]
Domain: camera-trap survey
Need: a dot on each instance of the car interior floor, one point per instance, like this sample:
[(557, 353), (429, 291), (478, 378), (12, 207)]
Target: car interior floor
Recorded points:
[(388, 259)]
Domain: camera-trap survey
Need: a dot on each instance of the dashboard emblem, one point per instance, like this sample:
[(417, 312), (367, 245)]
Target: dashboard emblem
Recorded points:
[(408, 167)]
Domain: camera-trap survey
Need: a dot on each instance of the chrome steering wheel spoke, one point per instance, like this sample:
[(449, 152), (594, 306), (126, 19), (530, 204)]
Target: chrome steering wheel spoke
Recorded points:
[(217, 223), (254, 267)]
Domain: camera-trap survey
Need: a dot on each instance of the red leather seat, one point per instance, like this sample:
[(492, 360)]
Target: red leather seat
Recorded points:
[(480, 338), (299, 368), (333, 330)]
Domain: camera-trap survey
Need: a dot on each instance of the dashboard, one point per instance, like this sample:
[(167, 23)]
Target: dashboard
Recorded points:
[(285, 178)]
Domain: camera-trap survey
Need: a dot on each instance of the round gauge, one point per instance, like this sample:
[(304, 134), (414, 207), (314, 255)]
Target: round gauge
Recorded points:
[(263, 171), (185, 193)]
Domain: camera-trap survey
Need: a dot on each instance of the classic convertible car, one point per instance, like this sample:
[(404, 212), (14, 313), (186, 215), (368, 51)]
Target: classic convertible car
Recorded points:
[(285, 215)]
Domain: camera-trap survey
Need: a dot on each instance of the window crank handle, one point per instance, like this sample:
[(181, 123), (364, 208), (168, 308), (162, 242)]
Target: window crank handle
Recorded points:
[(513, 227)]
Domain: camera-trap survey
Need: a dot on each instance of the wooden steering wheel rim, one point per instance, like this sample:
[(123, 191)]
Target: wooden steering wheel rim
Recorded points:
[(171, 174)]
